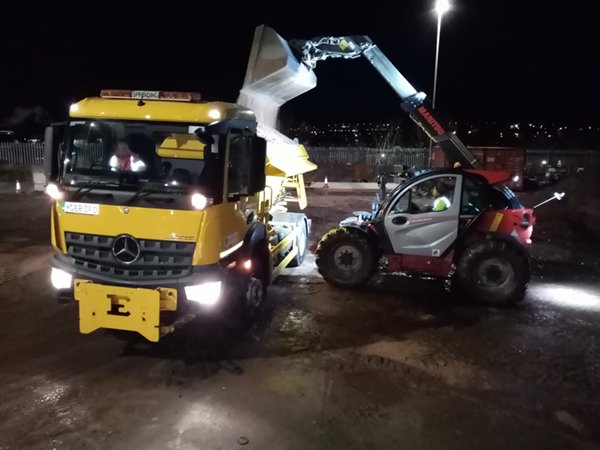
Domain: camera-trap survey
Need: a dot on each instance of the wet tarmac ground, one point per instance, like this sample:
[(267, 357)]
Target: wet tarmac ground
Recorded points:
[(397, 364)]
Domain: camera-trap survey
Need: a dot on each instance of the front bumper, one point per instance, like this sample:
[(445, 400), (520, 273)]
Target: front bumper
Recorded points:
[(148, 307), (214, 272)]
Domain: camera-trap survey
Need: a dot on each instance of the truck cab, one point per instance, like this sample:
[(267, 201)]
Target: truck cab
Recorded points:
[(162, 211)]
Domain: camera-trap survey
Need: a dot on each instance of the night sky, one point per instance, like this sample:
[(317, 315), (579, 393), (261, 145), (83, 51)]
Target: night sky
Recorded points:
[(500, 59)]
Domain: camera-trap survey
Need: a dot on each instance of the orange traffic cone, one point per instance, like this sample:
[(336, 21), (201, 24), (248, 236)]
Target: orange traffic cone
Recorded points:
[(325, 184), (18, 187)]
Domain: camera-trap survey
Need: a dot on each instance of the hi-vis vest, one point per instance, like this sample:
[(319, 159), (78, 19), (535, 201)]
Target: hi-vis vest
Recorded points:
[(441, 204)]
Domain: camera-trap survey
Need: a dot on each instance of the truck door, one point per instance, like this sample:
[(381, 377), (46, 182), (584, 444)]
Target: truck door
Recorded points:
[(424, 219)]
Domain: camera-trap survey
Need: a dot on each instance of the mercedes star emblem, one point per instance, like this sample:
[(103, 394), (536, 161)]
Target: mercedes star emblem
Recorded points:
[(126, 249)]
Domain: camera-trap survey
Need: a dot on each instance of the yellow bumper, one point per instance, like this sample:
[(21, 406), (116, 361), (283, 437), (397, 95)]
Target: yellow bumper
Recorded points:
[(122, 308)]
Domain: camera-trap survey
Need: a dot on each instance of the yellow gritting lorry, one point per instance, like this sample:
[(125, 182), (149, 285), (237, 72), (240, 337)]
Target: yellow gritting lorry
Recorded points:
[(166, 207)]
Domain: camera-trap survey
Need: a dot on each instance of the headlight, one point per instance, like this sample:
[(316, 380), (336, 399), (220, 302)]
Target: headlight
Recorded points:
[(53, 192), (206, 294), (214, 114), (61, 279), (199, 201)]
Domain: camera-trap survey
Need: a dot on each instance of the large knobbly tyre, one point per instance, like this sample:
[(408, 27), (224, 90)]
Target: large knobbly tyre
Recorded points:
[(493, 272), (345, 259)]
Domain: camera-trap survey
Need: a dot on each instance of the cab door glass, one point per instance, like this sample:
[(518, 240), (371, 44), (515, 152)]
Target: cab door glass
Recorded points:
[(475, 197), (433, 195), (402, 204)]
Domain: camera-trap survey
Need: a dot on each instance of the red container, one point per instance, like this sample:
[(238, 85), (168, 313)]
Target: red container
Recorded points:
[(509, 159)]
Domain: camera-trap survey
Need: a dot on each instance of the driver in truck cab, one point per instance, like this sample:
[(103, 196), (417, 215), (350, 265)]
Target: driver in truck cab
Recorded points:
[(124, 159)]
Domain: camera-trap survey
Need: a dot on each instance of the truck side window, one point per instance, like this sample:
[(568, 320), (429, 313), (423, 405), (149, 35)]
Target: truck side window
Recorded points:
[(238, 164)]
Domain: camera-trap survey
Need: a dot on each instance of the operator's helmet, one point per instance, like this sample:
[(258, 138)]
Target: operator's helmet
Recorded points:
[(456, 165)]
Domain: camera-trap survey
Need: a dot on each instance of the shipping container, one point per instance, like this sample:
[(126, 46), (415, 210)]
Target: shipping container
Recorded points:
[(509, 159)]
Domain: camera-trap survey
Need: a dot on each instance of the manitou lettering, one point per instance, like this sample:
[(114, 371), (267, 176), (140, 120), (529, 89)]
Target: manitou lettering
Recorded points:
[(431, 121)]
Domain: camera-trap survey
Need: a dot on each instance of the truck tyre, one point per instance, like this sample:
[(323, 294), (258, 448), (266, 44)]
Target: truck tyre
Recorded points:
[(238, 314), (345, 259), (492, 272), (301, 244), (256, 288)]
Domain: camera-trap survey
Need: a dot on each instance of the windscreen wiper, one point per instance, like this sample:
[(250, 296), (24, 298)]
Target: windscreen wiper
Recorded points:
[(157, 188), (93, 184)]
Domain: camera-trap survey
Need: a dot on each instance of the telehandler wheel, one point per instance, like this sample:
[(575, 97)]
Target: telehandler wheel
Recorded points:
[(345, 259), (492, 272), (301, 244)]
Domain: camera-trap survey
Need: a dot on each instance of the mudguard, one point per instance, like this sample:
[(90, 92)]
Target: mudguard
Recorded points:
[(499, 236), (256, 236)]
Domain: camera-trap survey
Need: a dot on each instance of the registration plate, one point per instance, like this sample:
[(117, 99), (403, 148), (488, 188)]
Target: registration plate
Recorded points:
[(91, 209)]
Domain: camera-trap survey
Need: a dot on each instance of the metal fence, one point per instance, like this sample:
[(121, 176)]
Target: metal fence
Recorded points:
[(368, 156), (32, 154), (29, 154), (22, 153), (87, 154)]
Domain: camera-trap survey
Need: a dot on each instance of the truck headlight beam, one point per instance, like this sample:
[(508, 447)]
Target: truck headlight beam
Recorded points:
[(53, 192), (206, 294), (61, 279)]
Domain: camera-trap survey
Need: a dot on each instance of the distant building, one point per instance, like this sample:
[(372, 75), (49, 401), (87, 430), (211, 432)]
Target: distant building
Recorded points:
[(7, 136)]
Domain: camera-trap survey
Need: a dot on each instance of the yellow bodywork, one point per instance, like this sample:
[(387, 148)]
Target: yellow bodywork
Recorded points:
[(287, 162), (122, 308), (183, 146), (158, 110), (214, 230)]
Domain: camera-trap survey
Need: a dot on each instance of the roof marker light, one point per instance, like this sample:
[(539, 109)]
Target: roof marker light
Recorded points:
[(151, 95)]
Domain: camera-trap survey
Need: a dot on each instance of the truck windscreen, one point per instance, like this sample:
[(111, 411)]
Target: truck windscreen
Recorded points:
[(134, 154)]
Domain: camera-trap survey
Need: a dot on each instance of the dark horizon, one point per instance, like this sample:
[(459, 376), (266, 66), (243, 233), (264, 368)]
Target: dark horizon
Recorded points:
[(501, 61)]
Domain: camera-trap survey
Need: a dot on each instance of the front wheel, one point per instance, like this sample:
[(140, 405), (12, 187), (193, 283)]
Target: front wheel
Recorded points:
[(256, 288), (345, 259), (242, 308), (492, 272)]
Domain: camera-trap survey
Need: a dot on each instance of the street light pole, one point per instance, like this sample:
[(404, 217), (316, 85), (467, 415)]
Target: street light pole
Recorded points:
[(437, 58), (441, 7)]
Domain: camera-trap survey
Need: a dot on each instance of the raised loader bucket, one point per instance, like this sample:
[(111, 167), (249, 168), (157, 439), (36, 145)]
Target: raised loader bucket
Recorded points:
[(274, 76)]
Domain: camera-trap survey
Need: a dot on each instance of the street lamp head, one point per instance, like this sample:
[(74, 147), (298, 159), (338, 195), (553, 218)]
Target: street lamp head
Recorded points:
[(442, 7)]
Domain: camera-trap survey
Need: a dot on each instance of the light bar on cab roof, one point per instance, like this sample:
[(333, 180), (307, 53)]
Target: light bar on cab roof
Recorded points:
[(151, 95)]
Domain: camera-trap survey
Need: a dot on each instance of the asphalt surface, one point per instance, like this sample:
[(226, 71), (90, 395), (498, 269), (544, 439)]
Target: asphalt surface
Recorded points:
[(398, 364)]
